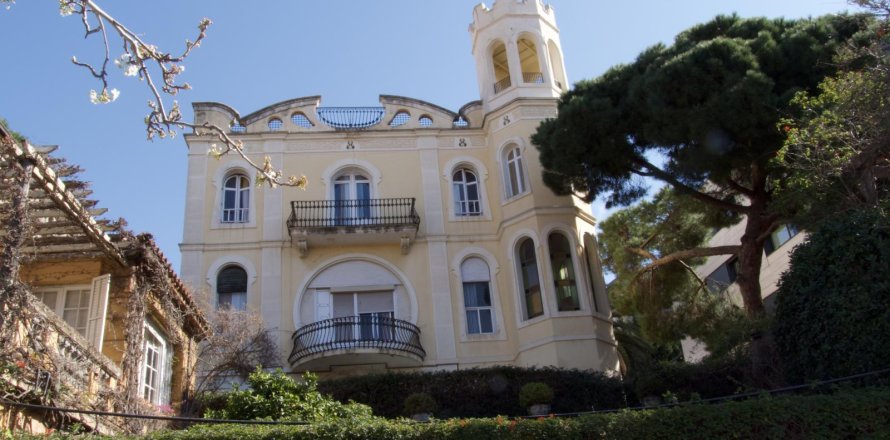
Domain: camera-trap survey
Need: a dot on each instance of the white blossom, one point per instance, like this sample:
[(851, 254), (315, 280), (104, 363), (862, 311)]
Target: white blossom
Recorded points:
[(105, 97), (66, 8), (125, 63)]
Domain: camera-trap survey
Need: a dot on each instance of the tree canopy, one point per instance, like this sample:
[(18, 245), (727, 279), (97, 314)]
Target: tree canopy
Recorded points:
[(670, 301), (710, 106)]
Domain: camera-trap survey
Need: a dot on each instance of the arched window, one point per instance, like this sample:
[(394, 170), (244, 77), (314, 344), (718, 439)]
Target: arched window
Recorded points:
[(528, 61), (238, 128), (275, 124), (476, 280), (231, 288), (425, 121), (531, 282), (236, 199), (300, 120), (465, 188), (559, 75), (501, 68), (563, 272), (352, 197), (514, 172), (401, 118)]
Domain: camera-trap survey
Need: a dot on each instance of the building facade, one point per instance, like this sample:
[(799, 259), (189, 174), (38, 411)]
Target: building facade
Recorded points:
[(93, 316), (426, 238), (720, 271)]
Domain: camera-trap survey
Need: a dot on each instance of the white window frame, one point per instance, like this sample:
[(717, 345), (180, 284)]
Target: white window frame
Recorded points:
[(96, 308), (232, 167), (246, 288), (517, 166), (154, 392), (463, 205), (475, 166), (241, 214), (465, 279)]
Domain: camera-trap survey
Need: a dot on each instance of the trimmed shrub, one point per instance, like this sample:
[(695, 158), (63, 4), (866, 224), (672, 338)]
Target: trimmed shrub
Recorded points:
[(535, 393), (479, 392), (419, 403), (863, 413), (833, 305), (709, 378)]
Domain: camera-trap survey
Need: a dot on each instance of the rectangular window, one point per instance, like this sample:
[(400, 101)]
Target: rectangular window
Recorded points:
[(154, 366), (778, 237), (77, 309), (723, 276), (477, 300)]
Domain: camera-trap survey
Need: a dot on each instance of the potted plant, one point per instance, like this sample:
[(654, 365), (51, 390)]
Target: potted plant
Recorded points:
[(536, 396), (420, 406)]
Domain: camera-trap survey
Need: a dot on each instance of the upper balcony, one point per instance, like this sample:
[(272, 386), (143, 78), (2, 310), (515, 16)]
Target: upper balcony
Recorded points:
[(353, 222)]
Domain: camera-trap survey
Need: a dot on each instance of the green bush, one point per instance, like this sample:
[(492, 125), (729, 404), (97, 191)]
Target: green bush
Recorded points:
[(713, 377), (275, 396), (419, 403), (479, 392), (535, 393), (833, 305), (863, 413)]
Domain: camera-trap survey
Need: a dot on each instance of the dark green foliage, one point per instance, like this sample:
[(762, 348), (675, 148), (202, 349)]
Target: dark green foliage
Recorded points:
[(478, 392), (710, 103), (275, 396), (713, 377), (535, 393), (419, 403), (854, 414), (833, 305), (670, 302)]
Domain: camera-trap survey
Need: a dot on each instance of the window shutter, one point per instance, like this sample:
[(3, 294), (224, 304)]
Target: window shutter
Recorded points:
[(98, 310), (322, 304)]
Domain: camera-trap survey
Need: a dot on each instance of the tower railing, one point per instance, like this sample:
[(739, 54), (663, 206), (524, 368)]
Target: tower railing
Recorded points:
[(502, 85), (533, 77)]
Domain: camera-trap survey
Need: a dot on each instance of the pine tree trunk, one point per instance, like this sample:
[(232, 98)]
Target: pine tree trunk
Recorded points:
[(750, 258)]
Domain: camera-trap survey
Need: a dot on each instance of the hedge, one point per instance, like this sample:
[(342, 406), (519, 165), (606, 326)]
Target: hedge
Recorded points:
[(833, 306), (863, 413), (480, 392)]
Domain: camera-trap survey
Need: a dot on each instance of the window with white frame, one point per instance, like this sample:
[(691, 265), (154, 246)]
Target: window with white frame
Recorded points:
[(236, 199), (352, 197), (465, 188), (531, 282), (476, 280), (231, 288), (156, 366), (514, 172), (84, 308), (563, 272)]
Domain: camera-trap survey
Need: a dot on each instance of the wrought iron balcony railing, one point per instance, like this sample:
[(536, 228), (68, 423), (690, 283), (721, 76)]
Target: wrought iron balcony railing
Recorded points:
[(371, 331), (367, 213), (346, 118), (502, 85), (533, 77)]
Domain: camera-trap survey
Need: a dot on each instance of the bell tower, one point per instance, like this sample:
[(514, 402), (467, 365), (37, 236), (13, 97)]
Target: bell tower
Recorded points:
[(517, 51)]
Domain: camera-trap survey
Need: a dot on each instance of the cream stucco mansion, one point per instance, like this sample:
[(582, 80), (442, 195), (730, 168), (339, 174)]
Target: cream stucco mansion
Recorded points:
[(426, 238)]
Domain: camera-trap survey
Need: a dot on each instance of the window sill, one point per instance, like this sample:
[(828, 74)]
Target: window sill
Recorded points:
[(483, 337), (512, 199)]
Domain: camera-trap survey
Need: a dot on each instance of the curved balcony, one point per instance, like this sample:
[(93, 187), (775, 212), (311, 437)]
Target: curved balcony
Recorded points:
[(365, 335)]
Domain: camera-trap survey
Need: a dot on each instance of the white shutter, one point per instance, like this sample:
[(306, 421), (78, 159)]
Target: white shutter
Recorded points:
[(98, 310), (322, 304)]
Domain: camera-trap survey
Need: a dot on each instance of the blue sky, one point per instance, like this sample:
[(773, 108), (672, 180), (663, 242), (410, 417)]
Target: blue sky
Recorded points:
[(259, 53)]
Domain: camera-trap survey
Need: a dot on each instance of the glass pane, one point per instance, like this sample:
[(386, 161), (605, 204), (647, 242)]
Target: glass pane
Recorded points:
[(72, 299), (48, 298), (472, 322), (514, 179), (472, 192), (485, 321), (229, 199)]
